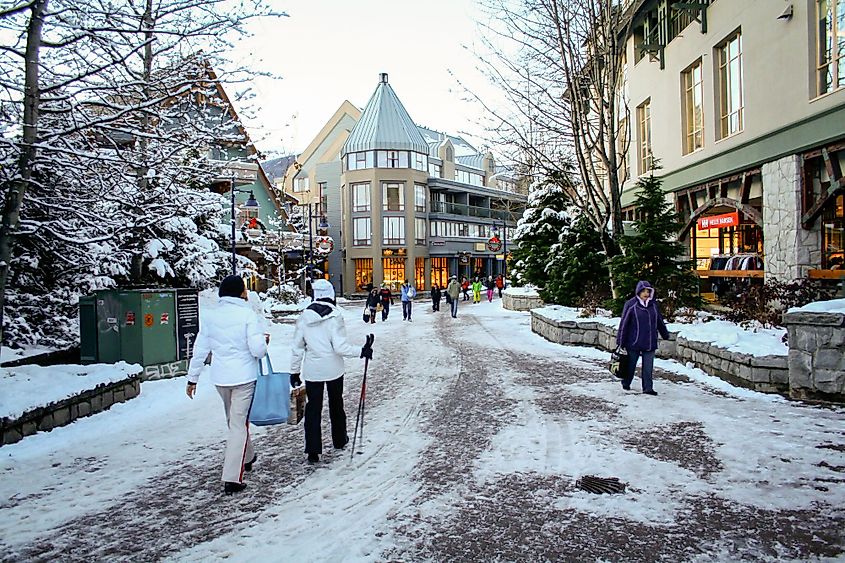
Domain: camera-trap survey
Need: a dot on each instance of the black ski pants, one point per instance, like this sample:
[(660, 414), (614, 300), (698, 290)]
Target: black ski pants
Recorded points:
[(314, 414), (385, 310)]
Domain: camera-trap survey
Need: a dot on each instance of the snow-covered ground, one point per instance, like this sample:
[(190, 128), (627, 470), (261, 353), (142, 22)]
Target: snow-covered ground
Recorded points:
[(476, 430), (832, 306)]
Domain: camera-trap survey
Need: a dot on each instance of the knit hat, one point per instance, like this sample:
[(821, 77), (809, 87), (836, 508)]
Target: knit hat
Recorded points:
[(323, 289), (231, 286)]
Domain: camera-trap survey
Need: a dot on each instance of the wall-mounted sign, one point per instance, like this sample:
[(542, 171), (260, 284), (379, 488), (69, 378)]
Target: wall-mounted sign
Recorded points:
[(494, 244), (323, 245), (149, 320), (438, 243), (463, 258), (719, 221), (130, 318), (480, 247)]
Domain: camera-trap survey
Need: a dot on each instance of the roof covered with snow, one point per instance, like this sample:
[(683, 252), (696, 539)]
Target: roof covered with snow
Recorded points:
[(385, 125)]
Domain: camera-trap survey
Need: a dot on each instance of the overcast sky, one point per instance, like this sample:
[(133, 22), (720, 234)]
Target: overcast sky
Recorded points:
[(329, 51)]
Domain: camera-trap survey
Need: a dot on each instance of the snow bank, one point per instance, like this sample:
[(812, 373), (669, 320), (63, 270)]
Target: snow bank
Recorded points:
[(28, 387), (832, 306), (12, 354), (561, 313), (527, 291), (734, 338)]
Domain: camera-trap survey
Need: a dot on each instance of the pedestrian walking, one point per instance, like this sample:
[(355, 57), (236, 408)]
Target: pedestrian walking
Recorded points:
[(373, 301), (465, 288), (436, 294), (408, 294), (319, 346), (491, 285), (452, 291), (232, 333), (500, 284), (638, 328), (386, 301), (476, 291)]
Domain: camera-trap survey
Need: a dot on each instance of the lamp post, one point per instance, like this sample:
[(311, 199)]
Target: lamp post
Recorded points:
[(504, 245), (251, 202)]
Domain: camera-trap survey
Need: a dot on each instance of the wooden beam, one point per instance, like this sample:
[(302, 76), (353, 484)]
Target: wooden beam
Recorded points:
[(730, 273), (723, 189), (745, 209), (745, 188), (837, 184)]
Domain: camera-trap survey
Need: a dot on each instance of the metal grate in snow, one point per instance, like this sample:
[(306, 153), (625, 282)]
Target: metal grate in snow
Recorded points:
[(600, 485)]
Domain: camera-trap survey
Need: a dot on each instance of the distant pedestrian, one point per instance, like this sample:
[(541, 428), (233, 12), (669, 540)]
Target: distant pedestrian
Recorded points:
[(476, 291), (638, 328), (319, 346), (500, 284), (386, 301), (465, 288), (233, 335), (452, 291), (408, 294), (436, 294), (373, 301), (490, 285)]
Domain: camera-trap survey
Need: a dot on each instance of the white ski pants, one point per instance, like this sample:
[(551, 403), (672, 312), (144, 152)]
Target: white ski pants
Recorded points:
[(237, 400)]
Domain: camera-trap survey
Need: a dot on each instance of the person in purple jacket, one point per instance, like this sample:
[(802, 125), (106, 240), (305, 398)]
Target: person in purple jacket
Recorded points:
[(641, 321)]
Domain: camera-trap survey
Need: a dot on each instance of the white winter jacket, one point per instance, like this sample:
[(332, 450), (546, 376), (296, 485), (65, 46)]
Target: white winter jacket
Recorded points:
[(320, 339), (233, 333)]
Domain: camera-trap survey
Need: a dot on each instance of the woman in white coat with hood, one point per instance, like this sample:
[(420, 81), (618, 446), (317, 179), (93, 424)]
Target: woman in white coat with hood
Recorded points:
[(319, 347), (235, 337)]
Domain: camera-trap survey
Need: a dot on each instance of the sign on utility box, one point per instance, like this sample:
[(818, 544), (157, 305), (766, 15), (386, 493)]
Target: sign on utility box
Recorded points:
[(155, 328)]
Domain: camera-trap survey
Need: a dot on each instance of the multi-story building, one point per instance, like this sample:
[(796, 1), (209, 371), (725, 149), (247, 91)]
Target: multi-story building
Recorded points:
[(742, 103), (404, 201)]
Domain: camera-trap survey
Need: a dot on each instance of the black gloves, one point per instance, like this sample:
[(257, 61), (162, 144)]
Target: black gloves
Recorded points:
[(367, 349), (295, 381)]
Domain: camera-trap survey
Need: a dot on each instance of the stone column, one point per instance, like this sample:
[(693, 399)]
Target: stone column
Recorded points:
[(816, 355), (790, 249)]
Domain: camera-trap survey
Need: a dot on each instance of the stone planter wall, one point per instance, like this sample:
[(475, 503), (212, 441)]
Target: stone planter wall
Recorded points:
[(66, 411), (764, 373), (816, 355), (521, 302)]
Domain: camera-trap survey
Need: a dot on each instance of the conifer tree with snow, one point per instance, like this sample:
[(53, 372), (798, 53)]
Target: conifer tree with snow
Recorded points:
[(577, 271), (654, 254), (539, 229)]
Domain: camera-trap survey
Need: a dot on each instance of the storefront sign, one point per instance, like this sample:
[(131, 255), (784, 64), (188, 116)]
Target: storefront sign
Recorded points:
[(719, 221), (494, 244), (187, 321), (438, 243)]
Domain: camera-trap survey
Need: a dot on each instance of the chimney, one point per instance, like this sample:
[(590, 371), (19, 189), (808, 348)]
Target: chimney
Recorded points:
[(383, 78)]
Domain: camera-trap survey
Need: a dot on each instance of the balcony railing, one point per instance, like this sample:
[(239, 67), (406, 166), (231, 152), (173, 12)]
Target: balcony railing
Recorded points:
[(470, 211)]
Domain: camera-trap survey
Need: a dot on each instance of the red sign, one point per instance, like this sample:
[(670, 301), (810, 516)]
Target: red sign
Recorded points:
[(165, 318), (494, 244), (719, 221), (148, 320), (130, 318)]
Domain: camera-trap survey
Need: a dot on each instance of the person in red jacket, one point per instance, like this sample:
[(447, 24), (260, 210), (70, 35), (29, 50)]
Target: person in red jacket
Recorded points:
[(465, 288), (500, 284), (386, 301)]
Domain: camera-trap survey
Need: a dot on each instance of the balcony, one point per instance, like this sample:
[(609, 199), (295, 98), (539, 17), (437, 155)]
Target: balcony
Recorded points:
[(471, 211)]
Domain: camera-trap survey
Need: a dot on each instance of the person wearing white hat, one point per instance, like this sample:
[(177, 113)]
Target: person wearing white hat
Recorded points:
[(319, 347), (452, 290)]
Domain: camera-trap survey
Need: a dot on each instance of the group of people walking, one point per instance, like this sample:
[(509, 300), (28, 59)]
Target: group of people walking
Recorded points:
[(477, 285)]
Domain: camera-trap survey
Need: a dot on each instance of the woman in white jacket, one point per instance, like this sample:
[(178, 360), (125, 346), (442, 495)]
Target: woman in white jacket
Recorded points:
[(234, 336), (319, 346)]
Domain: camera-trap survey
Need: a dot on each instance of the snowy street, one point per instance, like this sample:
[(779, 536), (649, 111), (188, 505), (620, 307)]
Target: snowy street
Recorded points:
[(476, 430)]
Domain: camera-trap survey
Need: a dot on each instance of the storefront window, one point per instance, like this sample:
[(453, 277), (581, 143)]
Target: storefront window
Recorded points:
[(440, 271), (363, 273), (833, 234), (419, 273), (709, 244), (394, 272)]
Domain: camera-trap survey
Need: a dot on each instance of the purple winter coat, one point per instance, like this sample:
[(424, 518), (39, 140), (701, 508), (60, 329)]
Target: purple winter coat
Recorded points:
[(639, 325)]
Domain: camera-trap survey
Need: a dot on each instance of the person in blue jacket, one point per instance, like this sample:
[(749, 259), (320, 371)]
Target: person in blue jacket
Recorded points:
[(637, 334), (408, 294)]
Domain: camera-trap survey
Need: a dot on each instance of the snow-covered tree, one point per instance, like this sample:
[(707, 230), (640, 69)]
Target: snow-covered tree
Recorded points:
[(577, 270), (538, 230)]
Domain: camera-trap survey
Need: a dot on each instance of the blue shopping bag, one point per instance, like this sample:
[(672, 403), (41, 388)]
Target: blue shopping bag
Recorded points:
[(271, 402)]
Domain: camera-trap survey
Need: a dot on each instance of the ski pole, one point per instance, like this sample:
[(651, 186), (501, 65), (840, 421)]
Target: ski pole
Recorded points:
[(362, 399)]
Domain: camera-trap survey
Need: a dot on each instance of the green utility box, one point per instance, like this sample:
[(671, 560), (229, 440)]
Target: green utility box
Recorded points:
[(151, 327)]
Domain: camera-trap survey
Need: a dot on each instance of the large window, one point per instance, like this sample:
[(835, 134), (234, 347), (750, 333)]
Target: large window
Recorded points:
[(363, 273), (359, 160), (419, 161), (419, 232), (394, 272), (394, 230), (693, 108), (419, 197), (440, 271), (830, 39), (644, 154), (470, 178), (419, 273), (393, 197), (362, 231), (360, 197), (730, 86), (434, 170), (302, 184), (833, 234)]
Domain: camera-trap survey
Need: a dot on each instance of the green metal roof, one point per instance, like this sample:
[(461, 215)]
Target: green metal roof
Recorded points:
[(385, 125)]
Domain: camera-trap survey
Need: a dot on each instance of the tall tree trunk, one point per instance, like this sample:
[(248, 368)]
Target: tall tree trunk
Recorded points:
[(26, 162)]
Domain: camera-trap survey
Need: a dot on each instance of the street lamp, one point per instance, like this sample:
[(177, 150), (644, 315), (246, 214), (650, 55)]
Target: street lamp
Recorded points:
[(504, 244), (252, 203)]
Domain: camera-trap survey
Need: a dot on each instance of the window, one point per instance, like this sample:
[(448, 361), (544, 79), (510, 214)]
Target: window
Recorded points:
[(394, 272), (450, 154), (471, 178), (693, 108), (645, 156), (359, 160), (419, 230), (729, 55), (419, 273), (363, 273), (419, 197), (833, 234), (393, 197), (419, 161), (362, 231), (394, 230), (360, 197), (393, 159), (324, 198), (440, 271), (302, 184), (434, 170), (830, 40)]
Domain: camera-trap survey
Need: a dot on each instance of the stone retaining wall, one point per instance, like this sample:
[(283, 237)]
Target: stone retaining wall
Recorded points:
[(816, 355), (764, 373), (67, 410), (521, 302)]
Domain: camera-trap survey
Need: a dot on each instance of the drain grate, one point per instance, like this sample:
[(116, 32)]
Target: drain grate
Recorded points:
[(600, 485)]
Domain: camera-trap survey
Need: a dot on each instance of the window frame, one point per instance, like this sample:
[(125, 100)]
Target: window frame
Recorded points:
[(725, 83), (385, 186), (689, 89), (387, 230), (368, 229), (645, 154), (365, 208), (302, 184), (418, 223), (419, 197), (836, 63)]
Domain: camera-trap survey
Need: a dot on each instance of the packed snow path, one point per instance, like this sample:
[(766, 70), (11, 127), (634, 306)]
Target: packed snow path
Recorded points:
[(476, 430)]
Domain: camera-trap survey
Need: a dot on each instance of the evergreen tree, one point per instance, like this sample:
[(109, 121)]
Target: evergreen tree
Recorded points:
[(578, 268), (654, 254), (539, 229)]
